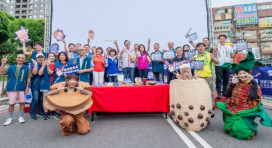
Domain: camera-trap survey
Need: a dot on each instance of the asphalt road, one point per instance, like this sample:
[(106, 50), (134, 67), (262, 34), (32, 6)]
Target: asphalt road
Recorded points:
[(126, 130)]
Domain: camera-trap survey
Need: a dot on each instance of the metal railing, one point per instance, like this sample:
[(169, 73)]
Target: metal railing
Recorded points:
[(3, 83)]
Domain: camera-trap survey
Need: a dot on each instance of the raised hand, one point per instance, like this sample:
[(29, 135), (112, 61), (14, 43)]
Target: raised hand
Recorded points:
[(177, 75), (115, 42), (4, 60), (234, 79), (44, 63), (34, 61), (149, 40), (74, 62)]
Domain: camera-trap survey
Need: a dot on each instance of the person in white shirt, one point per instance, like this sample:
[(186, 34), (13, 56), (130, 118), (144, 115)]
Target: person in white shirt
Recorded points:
[(128, 57), (223, 53)]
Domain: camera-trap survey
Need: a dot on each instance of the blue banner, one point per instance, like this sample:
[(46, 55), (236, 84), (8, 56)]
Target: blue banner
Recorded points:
[(263, 75), (246, 14)]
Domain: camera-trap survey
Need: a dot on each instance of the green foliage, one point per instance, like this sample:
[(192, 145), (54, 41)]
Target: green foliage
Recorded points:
[(5, 19), (35, 27), (7, 47)]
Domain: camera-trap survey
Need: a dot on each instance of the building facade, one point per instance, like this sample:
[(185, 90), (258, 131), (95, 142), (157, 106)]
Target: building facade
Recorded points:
[(4, 6), (33, 9), (256, 32)]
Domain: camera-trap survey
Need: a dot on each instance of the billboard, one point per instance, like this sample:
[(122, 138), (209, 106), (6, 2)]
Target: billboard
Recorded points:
[(246, 14)]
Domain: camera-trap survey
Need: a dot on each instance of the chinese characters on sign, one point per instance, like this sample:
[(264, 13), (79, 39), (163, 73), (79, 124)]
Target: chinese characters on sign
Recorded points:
[(246, 14)]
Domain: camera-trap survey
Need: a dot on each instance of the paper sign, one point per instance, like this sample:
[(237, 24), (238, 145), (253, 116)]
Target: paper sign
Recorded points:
[(197, 65), (192, 37), (239, 46), (107, 40), (168, 54), (190, 54), (22, 35), (59, 35), (54, 48), (67, 70), (91, 34), (156, 57)]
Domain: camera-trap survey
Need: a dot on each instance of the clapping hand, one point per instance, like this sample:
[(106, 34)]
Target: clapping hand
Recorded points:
[(4, 60)]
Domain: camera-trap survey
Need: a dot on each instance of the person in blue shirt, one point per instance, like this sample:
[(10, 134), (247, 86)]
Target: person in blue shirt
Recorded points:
[(157, 63), (112, 64), (89, 54), (38, 46), (84, 64), (71, 53), (169, 59), (37, 96), (19, 77), (45, 72), (63, 61)]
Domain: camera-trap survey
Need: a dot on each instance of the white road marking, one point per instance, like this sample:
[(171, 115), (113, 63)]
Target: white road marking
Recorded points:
[(187, 141), (199, 139)]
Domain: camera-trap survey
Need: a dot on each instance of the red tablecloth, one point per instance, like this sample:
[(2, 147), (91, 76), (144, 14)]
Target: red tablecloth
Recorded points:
[(131, 99)]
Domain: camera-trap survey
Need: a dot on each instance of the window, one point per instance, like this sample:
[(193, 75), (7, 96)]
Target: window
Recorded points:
[(35, 6), (41, 11), (29, 11), (11, 1), (17, 6), (30, 6), (24, 6), (17, 17), (221, 11), (42, 0), (18, 1), (17, 12), (11, 7), (263, 7), (34, 17), (41, 16), (229, 10), (25, 1), (41, 5), (30, 17), (11, 12)]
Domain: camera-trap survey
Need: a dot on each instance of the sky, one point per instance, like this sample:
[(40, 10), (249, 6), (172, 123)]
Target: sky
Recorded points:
[(134, 20)]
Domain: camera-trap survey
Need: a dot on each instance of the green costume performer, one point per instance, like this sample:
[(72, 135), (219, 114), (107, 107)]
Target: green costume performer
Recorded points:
[(244, 101)]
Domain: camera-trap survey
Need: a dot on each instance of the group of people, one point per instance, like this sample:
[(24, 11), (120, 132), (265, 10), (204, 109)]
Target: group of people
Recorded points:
[(95, 67)]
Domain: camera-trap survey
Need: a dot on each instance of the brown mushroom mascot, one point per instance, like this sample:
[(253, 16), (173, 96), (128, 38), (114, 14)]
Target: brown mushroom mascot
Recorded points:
[(71, 99)]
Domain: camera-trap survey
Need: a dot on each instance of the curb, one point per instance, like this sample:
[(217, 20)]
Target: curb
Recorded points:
[(4, 101)]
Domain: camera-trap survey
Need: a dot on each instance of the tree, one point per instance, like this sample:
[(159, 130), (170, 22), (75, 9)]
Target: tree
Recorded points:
[(35, 30), (5, 19), (7, 47)]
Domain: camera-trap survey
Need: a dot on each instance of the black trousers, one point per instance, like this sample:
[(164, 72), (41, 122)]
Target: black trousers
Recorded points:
[(91, 78), (106, 79), (136, 74), (169, 76), (222, 74)]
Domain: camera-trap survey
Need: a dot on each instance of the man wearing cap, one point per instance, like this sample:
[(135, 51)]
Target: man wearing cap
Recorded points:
[(84, 64), (38, 46), (37, 96), (18, 83)]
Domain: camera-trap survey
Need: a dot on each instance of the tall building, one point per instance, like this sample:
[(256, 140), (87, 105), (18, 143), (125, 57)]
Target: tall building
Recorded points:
[(4, 6), (33, 9), (246, 22)]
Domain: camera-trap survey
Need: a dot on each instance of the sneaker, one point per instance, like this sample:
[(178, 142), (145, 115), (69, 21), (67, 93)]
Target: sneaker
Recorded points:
[(8, 122), (45, 117), (57, 116), (33, 117), (219, 96), (21, 120), (39, 115)]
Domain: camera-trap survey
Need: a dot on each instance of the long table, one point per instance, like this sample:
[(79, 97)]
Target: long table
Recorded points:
[(131, 99)]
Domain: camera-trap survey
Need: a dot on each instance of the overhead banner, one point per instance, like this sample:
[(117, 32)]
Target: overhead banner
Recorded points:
[(246, 14)]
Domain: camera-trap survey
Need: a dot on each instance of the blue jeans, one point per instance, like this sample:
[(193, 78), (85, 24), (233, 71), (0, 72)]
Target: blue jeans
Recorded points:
[(129, 73), (143, 73), (37, 98), (113, 79)]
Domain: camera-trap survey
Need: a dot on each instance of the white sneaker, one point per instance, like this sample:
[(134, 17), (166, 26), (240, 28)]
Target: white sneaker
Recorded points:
[(8, 122), (21, 120)]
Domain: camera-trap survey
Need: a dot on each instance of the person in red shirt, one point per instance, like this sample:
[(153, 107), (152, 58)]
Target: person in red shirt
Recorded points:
[(98, 61)]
